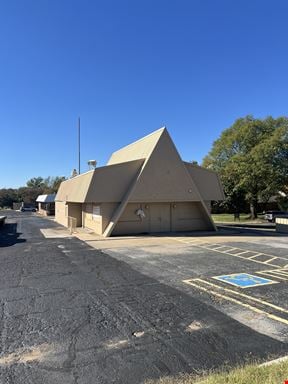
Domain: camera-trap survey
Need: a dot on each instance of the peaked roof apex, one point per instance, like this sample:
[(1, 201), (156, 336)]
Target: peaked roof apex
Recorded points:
[(139, 149), (162, 129), (79, 175)]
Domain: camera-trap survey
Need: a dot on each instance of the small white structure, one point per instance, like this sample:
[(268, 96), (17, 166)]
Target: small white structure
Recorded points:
[(46, 204)]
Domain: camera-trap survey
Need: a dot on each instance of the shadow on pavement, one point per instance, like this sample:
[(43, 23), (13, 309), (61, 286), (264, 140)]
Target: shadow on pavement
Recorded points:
[(9, 235), (180, 332), (114, 323)]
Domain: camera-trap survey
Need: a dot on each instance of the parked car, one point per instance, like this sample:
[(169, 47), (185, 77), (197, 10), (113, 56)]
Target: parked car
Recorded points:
[(28, 209), (271, 215)]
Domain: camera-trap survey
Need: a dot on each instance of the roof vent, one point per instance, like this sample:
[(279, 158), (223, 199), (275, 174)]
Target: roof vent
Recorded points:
[(73, 173), (92, 164)]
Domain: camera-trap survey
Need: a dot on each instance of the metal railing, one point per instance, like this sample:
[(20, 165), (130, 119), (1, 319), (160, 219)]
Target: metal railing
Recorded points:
[(72, 222)]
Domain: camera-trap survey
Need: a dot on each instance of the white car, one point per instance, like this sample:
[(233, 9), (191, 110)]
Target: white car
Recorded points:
[(28, 209)]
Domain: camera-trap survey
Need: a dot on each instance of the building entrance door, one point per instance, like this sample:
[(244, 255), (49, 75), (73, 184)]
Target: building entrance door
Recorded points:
[(160, 217)]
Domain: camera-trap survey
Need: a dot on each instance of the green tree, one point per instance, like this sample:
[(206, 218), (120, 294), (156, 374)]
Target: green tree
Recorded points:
[(251, 158), (7, 197), (45, 186), (52, 184), (36, 182), (28, 194)]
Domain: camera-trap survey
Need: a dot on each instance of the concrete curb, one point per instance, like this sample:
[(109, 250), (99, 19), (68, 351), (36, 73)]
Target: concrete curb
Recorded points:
[(276, 361), (242, 225)]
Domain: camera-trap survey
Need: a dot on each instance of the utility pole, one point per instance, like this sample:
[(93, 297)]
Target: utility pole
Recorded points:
[(78, 145)]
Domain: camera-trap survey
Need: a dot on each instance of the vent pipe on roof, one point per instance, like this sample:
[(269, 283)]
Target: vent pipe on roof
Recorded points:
[(74, 173)]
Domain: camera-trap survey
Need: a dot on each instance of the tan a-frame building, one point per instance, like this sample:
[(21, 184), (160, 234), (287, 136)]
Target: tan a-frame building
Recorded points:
[(144, 188)]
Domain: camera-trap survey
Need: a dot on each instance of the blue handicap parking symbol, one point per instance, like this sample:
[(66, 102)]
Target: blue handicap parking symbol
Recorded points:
[(244, 280)]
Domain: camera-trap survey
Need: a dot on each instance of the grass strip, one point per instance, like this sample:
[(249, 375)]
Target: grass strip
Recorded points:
[(229, 218), (250, 374)]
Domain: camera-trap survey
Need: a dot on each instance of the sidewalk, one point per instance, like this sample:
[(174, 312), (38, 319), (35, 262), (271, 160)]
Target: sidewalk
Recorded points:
[(248, 224)]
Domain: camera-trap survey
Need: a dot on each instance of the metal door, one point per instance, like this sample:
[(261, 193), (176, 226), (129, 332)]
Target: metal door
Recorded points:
[(160, 218)]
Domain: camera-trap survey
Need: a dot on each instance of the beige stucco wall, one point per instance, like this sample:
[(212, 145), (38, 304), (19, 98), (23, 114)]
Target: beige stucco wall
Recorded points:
[(189, 217), (107, 210), (159, 217), (164, 176), (75, 210), (63, 210), (90, 221), (163, 217), (98, 223), (130, 223), (61, 213), (207, 182)]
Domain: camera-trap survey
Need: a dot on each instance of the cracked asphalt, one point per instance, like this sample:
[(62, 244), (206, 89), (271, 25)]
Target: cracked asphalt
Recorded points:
[(72, 314)]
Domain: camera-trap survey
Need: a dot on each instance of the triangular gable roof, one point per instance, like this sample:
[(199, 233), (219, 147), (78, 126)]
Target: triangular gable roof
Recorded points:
[(104, 184), (75, 189), (164, 177), (140, 149), (109, 184)]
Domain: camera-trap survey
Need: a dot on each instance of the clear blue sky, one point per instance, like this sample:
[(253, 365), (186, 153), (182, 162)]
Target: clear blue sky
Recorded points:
[(127, 68)]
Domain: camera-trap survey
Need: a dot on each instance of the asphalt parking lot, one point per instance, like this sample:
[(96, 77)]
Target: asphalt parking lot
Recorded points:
[(83, 310), (241, 275)]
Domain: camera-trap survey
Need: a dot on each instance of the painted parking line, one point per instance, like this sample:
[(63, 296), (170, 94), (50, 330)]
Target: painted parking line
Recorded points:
[(281, 274), (272, 260), (257, 255), (242, 253), (240, 294), (227, 295), (271, 274), (268, 261)]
